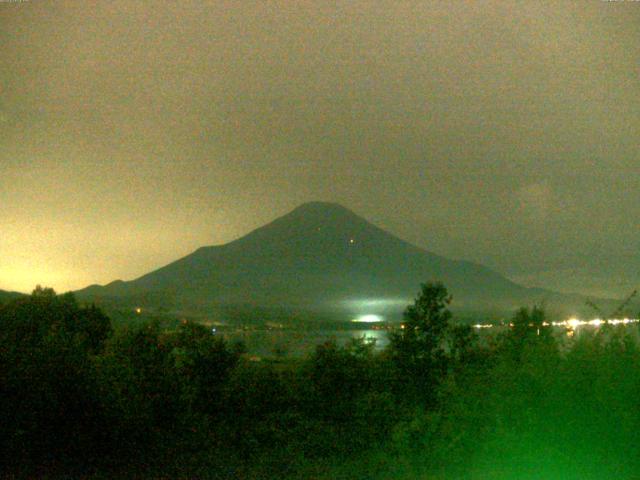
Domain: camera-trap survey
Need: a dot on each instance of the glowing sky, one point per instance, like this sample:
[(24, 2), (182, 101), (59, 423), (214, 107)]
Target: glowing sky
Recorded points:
[(133, 132)]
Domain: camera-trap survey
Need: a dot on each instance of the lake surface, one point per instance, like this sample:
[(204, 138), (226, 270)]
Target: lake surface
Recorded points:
[(298, 343), (294, 343)]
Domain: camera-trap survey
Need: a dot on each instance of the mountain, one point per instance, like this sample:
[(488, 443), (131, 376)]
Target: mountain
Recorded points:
[(8, 296), (320, 257)]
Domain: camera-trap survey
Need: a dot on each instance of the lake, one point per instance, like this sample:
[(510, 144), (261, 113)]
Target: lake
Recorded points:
[(298, 343)]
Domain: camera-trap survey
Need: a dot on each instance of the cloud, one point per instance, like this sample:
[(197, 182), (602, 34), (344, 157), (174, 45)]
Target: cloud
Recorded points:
[(434, 119), (537, 201)]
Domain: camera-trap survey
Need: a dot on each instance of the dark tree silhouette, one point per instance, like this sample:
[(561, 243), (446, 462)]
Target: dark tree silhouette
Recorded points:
[(418, 346), (47, 343), (529, 329)]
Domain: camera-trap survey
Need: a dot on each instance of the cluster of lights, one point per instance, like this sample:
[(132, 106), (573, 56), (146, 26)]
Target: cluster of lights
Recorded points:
[(571, 323), (574, 323), (596, 322)]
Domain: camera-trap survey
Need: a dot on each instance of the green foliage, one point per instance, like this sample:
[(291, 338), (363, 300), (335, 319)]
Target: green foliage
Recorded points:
[(463, 344), (338, 376), (438, 403), (138, 388), (47, 343), (418, 348), (203, 362), (530, 330)]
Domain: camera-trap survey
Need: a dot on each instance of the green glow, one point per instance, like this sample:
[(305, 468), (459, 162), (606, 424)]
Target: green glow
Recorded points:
[(368, 319)]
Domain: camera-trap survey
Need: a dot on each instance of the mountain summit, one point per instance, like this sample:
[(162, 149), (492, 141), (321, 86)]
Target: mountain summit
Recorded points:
[(320, 256)]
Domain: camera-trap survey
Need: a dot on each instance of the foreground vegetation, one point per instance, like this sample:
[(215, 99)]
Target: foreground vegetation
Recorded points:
[(82, 400)]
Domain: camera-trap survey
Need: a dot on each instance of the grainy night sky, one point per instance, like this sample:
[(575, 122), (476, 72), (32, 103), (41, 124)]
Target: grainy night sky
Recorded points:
[(133, 132)]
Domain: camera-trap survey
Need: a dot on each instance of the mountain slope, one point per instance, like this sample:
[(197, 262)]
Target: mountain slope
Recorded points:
[(321, 256), (8, 296)]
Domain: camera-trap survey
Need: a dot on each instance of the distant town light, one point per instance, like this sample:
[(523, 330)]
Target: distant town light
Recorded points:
[(573, 322)]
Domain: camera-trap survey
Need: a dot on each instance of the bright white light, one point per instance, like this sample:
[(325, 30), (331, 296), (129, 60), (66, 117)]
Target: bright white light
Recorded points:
[(368, 319), (596, 322), (573, 322)]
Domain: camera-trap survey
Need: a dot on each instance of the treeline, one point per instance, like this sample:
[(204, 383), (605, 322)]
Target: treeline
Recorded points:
[(79, 399)]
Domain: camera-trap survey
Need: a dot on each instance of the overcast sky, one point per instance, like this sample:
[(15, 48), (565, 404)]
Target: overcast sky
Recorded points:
[(133, 132)]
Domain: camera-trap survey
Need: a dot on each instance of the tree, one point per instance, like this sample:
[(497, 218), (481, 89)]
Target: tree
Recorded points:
[(204, 362), (339, 375), (47, 344), (463, 344), (530, 329), (417, 348)]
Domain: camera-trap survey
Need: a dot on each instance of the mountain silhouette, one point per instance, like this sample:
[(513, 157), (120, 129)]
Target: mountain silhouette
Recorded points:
[(6, 296), (320, 256)]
